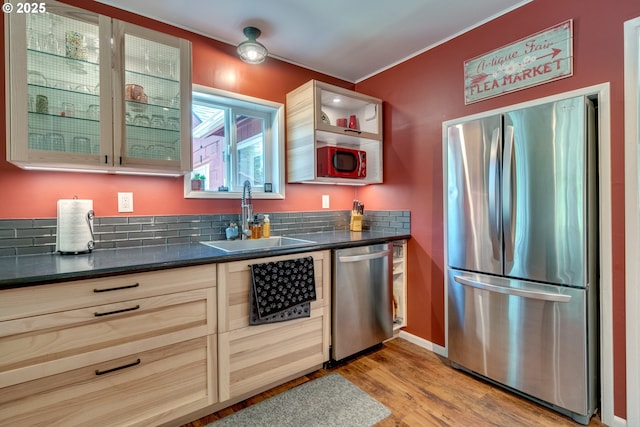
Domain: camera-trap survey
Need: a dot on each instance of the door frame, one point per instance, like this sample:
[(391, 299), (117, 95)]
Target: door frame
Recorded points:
[(602, 91), (632, 214)]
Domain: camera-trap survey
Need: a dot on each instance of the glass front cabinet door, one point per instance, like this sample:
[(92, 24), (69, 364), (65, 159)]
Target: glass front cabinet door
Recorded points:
[(87, 92)]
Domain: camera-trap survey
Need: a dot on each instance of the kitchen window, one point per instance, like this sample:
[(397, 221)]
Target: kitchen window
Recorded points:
[(235, 138)]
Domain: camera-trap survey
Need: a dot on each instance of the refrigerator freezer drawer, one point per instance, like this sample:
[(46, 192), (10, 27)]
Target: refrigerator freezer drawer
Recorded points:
[(534, 338)]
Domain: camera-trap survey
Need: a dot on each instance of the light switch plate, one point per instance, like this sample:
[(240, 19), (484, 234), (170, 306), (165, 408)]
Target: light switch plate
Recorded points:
[(325, 201), (125, 202)]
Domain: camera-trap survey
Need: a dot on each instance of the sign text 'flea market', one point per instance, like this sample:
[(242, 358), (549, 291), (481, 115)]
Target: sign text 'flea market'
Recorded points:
[(534, 60)]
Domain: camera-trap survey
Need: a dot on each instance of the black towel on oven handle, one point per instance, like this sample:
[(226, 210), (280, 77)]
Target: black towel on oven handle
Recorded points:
[(281, 290)]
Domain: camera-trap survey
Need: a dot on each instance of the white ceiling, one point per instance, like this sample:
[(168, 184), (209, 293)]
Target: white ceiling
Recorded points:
[(348, 39)]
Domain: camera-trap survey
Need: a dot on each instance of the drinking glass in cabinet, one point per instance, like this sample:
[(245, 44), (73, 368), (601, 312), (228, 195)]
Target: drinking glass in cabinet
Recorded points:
[(93, 112), (36, 141), (137, 150), (50, 41), (173, 123), (36, 78), (141, 120), (81, 144), (157, 121), (54, 142), (68, 109), (83, 89)]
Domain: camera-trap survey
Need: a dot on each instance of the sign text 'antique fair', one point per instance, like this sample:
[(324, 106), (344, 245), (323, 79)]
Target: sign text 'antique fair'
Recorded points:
[(537, 59)]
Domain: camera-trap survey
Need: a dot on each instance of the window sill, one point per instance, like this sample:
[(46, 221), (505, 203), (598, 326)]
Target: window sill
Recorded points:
[(196, 194)]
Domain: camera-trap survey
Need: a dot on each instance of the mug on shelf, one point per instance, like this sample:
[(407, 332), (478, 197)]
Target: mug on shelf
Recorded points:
[(134, 92), (353, 122), (75, 47)]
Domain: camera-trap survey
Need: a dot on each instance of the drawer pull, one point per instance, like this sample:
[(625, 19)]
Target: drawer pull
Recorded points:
[(124, 310), (99, 372), (117, 289)]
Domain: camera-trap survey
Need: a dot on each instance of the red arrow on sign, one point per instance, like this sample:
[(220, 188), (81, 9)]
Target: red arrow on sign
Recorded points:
[(555, 52)]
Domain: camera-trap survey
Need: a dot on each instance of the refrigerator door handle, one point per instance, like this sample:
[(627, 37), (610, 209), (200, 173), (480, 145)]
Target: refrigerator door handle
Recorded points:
[(493, 194), (543, 296), (509, 199), (364, 257)]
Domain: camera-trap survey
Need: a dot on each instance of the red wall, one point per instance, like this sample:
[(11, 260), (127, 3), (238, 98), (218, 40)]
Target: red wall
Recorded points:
[(423, 92), (419, 95), (33, 194)]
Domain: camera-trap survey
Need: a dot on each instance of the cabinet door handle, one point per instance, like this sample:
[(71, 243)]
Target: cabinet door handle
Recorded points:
[(129, 365), (353, 130), (124, 310), (135, 285)]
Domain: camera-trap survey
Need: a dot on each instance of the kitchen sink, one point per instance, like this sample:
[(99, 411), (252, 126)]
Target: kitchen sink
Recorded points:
[(256, 244)]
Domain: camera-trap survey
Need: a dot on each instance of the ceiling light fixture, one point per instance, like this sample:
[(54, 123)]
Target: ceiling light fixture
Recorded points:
[(252, 51)]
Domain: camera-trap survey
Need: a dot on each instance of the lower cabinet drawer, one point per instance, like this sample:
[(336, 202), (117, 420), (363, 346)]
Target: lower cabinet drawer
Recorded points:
[(142, 389), (256, 356), (56, 297), (53, 343)]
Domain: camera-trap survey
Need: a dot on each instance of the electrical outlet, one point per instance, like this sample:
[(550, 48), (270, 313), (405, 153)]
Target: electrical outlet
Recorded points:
[(325, 201), (125, 202)]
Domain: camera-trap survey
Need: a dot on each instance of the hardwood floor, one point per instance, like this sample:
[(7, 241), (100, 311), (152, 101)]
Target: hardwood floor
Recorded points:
[(421, 389)]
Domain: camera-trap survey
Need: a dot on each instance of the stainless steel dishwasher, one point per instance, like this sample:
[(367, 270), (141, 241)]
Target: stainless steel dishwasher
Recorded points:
[(362, 301)]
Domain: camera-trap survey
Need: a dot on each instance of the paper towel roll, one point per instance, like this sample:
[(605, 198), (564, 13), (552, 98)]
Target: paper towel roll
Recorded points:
[(74, 231)]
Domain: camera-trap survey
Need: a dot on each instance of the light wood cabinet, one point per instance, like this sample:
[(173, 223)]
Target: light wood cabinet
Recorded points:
[(313, 111), (68, 106), (399, 284), (253, 357), (113, 351)]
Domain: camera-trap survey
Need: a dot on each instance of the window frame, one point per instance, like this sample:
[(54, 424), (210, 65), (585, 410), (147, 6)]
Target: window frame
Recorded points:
[(274, 144)]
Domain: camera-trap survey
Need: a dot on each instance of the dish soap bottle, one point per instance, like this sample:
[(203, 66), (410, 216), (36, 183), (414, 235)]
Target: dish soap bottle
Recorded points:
[(266, 227)]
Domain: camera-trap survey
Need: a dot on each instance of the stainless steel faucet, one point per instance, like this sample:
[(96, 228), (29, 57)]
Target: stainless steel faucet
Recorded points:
[(247, 209)]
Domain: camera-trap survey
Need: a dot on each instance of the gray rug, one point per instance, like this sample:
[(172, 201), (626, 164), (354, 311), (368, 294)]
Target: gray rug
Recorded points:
[(330, 401)]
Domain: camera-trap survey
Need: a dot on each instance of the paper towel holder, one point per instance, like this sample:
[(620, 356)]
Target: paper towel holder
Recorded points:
[(74, 229)]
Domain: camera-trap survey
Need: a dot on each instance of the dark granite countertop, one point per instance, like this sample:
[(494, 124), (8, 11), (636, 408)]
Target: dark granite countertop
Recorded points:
[(30, 270)]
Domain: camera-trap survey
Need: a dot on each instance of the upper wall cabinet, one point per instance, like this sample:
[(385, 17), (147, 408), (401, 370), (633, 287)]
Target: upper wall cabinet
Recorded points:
[(87, 92), (322, 119)]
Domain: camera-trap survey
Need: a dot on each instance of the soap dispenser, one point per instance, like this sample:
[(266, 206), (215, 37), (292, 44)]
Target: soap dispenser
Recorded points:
[(256, 229), (266, 227)]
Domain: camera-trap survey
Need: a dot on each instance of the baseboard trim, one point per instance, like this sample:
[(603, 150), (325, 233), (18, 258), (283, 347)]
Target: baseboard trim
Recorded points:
[(421, 342), (619, 422)]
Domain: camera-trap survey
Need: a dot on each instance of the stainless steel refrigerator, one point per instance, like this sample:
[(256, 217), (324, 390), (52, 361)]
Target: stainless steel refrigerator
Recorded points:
[(522, 255)]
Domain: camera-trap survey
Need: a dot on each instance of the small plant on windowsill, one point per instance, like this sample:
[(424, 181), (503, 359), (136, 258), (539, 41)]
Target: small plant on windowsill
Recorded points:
[(197, 182)]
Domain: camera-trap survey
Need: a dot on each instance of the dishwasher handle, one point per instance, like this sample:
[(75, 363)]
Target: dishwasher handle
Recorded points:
[(544, 296), (364, 257)]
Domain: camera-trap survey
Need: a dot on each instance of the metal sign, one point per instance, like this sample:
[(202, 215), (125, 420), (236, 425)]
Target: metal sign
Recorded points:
[(534, 60)]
